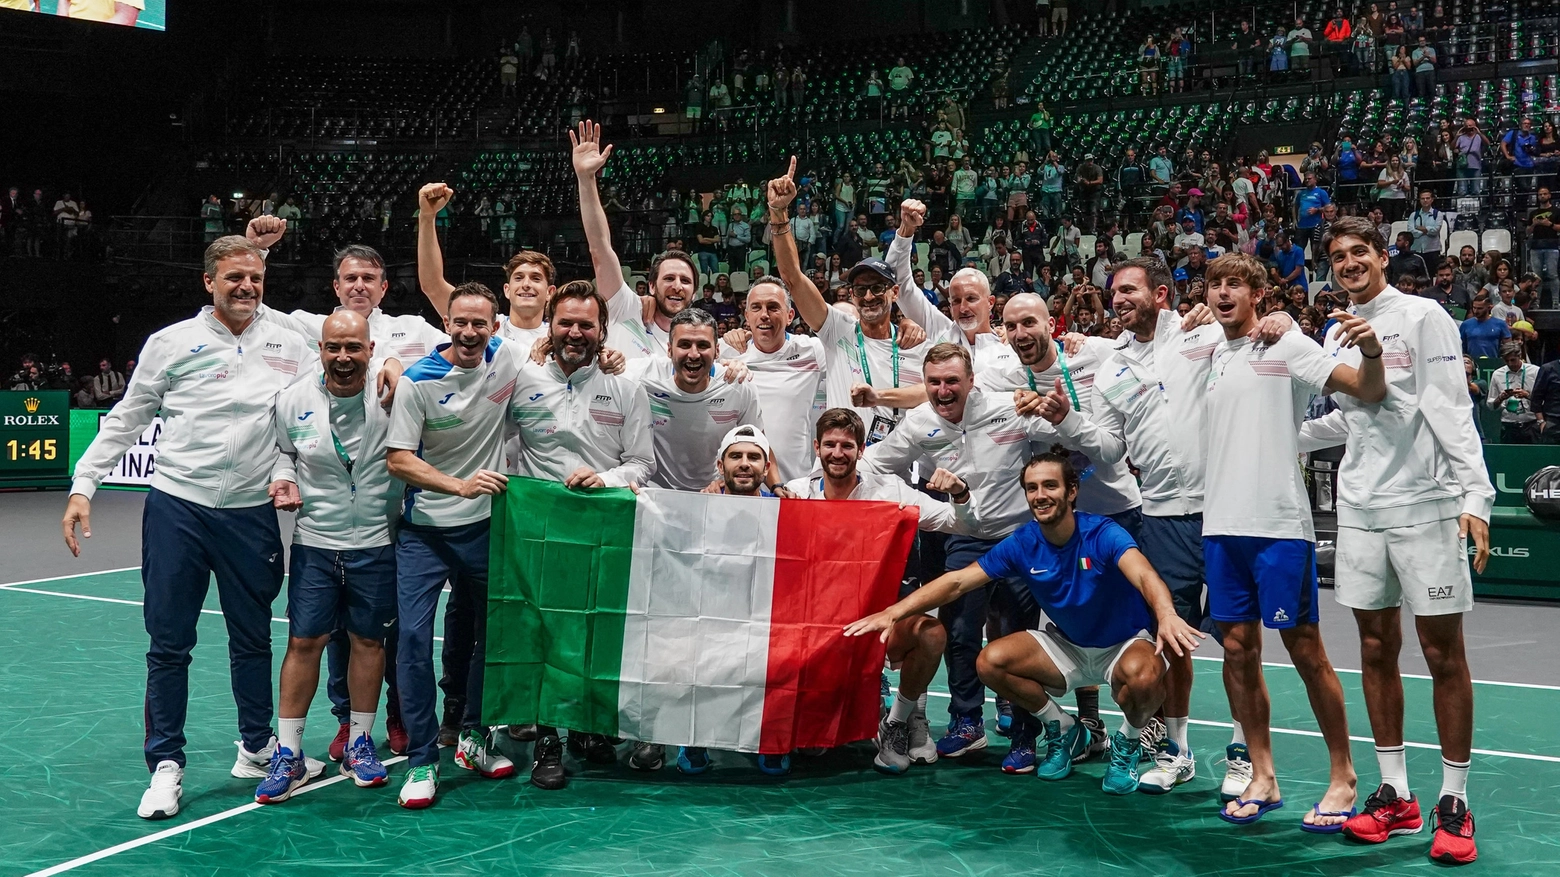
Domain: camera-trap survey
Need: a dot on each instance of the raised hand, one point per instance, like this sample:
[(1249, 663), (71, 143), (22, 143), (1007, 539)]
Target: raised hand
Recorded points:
[(911, 214), (782, 191), (1055, 405), (265, 231), (433, 197), (864, 396), (588, 156), (737, 339), (1356, 332)]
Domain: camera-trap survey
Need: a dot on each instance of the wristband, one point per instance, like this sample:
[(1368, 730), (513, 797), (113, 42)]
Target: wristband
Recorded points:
[(1368, 356), (779, 228)]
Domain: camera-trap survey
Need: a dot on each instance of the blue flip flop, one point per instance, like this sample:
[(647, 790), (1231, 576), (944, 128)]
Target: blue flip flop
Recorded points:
[(1326, 829), (1262, 808)]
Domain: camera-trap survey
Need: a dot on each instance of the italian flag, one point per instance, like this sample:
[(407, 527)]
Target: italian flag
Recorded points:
[(687, 618)]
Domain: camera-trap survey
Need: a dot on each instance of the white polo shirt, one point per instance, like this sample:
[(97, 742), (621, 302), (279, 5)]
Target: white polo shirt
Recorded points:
[(792, 393), (687, 427), (589, 419)]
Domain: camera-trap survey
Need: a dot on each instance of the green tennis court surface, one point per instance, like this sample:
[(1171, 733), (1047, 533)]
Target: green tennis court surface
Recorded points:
[(72, 676)]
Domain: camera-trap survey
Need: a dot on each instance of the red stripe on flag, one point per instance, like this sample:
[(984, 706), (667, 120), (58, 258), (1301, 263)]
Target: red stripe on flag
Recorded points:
[(822, 688)]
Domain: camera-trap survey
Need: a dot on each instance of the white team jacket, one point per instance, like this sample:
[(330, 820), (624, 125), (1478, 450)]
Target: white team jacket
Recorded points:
[(216, 392)]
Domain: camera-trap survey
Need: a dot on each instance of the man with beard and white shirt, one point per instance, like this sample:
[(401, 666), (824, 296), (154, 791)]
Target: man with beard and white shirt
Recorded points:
[(788, 374), (1148, 404), (864, 348), (341, 573), (1412, 490), (583, 427), (915, 644), (979, 438), (968, 322), (446, 444), (1259, 545), (641, 325), (211, 509)]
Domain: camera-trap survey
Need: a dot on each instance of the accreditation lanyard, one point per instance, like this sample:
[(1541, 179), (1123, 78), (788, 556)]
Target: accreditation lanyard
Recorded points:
[(1061, 359), (861, 350), (341, 451)]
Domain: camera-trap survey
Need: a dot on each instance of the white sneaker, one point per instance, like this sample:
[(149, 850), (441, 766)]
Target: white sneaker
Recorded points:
[(1171, 768), (923, 749), (475, 752), (257, 765), (1237, 773), (161, 799), (420, 787)]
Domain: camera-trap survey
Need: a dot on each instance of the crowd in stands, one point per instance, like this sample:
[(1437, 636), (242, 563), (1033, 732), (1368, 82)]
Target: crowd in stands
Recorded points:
[(100, 390), (37, 226)]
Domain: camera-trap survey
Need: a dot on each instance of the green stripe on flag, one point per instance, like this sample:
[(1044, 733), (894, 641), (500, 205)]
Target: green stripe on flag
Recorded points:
[(557, 595)]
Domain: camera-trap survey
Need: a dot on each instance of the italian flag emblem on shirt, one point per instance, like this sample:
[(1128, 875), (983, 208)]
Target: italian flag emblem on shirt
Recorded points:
[(1085, 563)]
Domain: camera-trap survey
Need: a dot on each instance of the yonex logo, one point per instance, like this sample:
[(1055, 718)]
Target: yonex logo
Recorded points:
[(1280, 616), (446, 398), (304, 416)]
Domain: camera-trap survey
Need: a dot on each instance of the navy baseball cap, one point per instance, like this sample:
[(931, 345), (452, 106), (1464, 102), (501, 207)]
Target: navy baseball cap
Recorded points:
[(873, 266)]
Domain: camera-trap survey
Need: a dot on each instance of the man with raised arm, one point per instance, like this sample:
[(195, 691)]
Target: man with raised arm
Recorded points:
[(341, 574), (641, 326), (585, 428), (864, 348), (446, 444), (1259, 546), (915, 643), (1105, 619), (1148, 404), (1412, 490), (211, 509)]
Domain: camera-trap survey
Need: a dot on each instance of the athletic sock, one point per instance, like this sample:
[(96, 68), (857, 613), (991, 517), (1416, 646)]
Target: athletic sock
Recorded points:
[(920, 704), (362, 726), (1088, 703), (1239, 735), (901, 709), (1454, 779), (1175, 726), (1050, 713), (1129, 730), (1393, 761), (289, 735)]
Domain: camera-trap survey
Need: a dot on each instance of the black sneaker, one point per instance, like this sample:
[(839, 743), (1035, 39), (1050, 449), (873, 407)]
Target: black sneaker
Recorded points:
[(1099, 741), (593, 748), (647, 756), (522, 733), (547, 770), (449, 727)]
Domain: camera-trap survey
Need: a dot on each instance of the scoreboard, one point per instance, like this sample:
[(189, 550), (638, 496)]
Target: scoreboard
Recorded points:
[(34, 438)]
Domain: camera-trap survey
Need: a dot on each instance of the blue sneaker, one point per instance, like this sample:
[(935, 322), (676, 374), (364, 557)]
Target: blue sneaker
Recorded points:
[(287, 772), (965, 735), (774, 765), (1060, 749), (1004, 718), (1121, 774), (1021, 755), (692, 759), (361, 762)]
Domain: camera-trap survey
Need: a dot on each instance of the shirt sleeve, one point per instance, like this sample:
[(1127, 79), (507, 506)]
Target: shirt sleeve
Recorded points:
[(895, 454), (1005, 559), (836, 326), (1443, 402), (126, 420), (286, 467), (638, 460), (1328, 431), (1114, 540), (406, 418), (917, 307), (1307, 363)]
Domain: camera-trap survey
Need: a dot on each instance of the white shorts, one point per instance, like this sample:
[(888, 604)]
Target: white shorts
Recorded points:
[(1081, 666), (1425, 566)]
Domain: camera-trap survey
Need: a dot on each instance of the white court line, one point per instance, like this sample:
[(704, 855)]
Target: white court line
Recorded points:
[(79, 575), (1532, 685), (1296, 732), (181, 829)]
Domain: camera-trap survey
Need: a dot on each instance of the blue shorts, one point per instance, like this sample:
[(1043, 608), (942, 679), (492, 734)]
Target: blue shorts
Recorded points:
[(1254, 578), (1174, 545), (1130, 520), (328, 590)]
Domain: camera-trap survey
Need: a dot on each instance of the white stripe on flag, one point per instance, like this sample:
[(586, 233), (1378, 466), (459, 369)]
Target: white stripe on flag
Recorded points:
[(696, 634)]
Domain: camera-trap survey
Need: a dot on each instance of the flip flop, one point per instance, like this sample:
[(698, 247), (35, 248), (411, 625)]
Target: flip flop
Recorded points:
[(1325, 829), (1262, 808)]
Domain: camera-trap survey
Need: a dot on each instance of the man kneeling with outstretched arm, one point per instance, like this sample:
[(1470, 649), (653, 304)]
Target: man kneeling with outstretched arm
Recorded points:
[(1100, 598)]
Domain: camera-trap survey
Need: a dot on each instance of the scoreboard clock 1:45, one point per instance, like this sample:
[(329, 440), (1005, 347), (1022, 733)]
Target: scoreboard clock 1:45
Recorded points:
[(34, 438)]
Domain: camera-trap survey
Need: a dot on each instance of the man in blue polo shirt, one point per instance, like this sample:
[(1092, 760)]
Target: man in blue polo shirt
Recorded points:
[(1482, 334), (1308, 211), (1100, 598), (1288, 263)]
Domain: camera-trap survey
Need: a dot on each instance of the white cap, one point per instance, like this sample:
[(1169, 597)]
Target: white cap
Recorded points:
[(746, 433)]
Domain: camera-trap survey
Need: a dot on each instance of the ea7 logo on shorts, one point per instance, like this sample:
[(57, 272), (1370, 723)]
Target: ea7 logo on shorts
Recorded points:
[(1441, 592)]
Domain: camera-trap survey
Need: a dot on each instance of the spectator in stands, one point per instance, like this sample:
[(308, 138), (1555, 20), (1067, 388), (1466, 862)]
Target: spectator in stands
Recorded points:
[(739, 239), (13, 213), (1543, 238), (1401, 65), (1403, 260), (1446, 289), (1544, 399), (1426, 224), (1188, 240), (549, 51), (1336, 39), (1090, 180), (523, 48), (1001, 84), (1222, 230), (1424, 58), (900, 76), (66, 213), (1363, 59), (1065, 254), (1519, 146), (1510, 393), (798, 86), (1299, 39), (1392, 188), (1161, 170), (942, 254), (1100, 265), (1040, 123), (1309, 202), (1059, 16), (1288, 263), (1470, 144), (1505, 306), (1482, 334), (805, 229), (1178, 55), (1498, 269), (1033, 239), (959, 236), (508, 74), (1052, 178), (1150, 58), (212, 216)]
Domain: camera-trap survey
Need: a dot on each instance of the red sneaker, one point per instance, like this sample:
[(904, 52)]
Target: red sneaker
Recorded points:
[(1384, 816), (395, 734), (338, 746), (1453, 843)]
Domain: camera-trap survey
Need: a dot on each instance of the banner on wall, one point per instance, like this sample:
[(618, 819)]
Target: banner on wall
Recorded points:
[(137, 465)]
